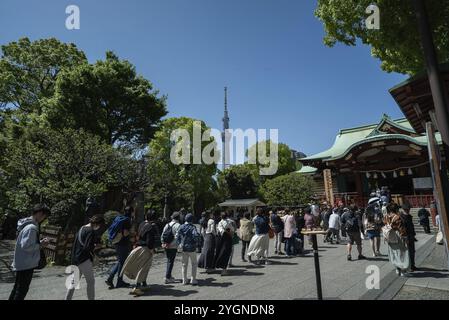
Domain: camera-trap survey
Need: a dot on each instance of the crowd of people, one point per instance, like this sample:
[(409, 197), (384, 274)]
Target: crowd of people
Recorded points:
[(214, 240)]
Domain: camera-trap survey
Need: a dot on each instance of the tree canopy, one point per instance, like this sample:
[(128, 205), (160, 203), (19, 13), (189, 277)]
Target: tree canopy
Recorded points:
[(184, 184), (285, 159), (239, 182), (28, 71), (397, 42), (60, 168), (108, 99), (291, 189)]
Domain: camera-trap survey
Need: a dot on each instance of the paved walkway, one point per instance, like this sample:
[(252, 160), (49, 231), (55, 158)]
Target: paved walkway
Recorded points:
[(285, 278), (432, 281)]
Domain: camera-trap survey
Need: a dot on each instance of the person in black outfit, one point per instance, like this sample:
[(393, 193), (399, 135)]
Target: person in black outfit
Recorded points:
[(148, 236), (87, 240), (407, 219), (424, 215)]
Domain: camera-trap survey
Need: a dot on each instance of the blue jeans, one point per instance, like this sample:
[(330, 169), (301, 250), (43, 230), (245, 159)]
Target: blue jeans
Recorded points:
[(171, 255), (290, 246), (122, 252)]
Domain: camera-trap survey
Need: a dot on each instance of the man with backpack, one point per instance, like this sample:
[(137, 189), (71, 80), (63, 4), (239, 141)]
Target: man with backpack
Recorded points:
[(169, 244), (118, 234), (27, 254), (352, 223), (187, 239), (277, 224)]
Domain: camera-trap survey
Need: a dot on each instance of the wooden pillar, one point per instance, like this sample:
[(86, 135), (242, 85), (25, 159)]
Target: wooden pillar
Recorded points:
[(435, 166), (328, 188)]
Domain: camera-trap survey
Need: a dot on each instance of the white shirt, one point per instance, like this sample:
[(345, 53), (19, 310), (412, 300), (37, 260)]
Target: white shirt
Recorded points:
[(211, 227), (334, 221), (225, 224)]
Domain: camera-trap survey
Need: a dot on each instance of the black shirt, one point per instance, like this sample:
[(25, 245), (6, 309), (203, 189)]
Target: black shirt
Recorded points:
[(83, 247), (148, 235)]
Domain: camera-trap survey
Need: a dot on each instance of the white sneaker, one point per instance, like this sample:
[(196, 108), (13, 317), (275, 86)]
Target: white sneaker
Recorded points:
[(193, 282)]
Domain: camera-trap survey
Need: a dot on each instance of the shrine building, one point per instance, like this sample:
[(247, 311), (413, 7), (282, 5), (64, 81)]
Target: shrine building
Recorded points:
[(386, 154)]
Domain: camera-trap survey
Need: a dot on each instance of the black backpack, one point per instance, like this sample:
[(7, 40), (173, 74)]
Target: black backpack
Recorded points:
[(167, 235), (351, 224)]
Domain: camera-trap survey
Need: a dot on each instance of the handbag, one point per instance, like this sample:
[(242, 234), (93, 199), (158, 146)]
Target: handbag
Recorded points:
[(439, 238), (235, 239), (270, 233)]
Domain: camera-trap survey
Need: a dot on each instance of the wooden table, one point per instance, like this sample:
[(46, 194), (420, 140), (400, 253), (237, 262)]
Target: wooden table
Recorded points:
[(313, 234)]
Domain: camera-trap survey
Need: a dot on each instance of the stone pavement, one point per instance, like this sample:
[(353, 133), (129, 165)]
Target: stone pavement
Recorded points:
[(285, 278), (431, 281)]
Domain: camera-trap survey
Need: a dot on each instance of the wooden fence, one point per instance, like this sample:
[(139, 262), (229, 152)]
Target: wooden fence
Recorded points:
[(60, 245)]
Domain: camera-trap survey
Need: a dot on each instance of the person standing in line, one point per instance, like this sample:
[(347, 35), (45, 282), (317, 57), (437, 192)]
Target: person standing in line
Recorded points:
[(235, 238), (300, 224), (246, 233), (119, 235), (278, 228), (258, 246), (334, 227), (310, 221), (187, 239), (352, 223), (395, 234), (182, 215), (168, 240), (137, 265), (407, 221), (325, 215), (423, 216), (206, 259), (373, 224), (87, 240), (27, 251), (224, 244), (289, 233)]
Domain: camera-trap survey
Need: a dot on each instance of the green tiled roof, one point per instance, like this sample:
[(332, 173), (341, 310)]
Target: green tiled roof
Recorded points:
[(349, 138), (307, 170)]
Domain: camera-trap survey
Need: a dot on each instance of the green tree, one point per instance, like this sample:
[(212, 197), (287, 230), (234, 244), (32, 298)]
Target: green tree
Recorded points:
[(239, 182), (28, 72), (397, 43), (286, 161), (288, 190), (60, 168), (108, 99), (184, 184)]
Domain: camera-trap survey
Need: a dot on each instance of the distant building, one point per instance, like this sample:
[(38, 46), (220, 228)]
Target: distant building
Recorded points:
[(364, 159)]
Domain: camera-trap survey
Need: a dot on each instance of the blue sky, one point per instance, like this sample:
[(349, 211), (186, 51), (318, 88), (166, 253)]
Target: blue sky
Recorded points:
[(269, 53)]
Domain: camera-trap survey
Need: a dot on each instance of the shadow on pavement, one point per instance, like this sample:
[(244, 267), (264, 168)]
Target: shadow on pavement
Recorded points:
[(376, 259), (242, 272), (210, 282), (428, 274), (282, 263), (167, 290)]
